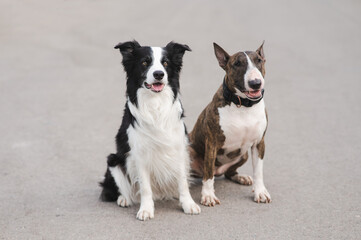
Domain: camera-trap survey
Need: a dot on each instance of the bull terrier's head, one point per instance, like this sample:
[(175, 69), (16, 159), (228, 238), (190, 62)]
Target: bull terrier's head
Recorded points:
[(245, 71)]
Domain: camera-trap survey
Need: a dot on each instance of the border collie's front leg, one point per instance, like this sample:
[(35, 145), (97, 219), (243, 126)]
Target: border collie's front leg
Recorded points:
[(208, 197), (146, 210), (260, 192), (185, 198)]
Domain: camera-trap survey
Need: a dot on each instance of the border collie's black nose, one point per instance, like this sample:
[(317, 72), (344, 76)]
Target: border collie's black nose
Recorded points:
[(255, 84), (158, 75)]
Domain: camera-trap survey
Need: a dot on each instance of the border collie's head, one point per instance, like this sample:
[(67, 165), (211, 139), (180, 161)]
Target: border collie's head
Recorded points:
[(244, 71), (152, 68)]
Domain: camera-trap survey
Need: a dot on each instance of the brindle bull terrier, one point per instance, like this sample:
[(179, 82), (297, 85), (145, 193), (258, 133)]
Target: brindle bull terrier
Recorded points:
[(234, 122)]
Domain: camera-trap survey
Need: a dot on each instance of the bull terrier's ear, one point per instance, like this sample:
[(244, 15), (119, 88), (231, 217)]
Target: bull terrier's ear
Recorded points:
[(260, 51), (127, 47), (177, 48), (222, 56)]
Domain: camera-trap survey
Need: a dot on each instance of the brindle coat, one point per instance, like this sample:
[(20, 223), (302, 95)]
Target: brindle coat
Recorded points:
[(207, 138)]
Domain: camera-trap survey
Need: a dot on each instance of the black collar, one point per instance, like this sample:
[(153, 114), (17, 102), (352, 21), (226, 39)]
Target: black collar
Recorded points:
[(229, 96)]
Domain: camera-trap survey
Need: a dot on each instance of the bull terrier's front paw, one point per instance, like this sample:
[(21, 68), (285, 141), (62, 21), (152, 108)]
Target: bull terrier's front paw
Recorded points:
[(145, 214), (191, 208), (261, 194), (122, 201), (210, 200)]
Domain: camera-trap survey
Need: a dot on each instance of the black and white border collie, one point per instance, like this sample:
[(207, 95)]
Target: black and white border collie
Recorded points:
[(152, 161)]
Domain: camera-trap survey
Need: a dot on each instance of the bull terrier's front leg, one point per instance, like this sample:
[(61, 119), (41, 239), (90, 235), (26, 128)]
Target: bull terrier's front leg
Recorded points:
[(208, 196), (260, 192)]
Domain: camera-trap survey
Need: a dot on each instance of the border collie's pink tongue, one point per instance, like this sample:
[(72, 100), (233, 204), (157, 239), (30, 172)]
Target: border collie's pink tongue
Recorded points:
[(157, 87)]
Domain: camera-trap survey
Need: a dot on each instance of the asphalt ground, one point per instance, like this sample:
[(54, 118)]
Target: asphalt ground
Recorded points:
[(62, 92)]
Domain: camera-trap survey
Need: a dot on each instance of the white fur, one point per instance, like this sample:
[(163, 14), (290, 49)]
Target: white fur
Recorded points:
[(242, 179), (260, 192), (156, 66), (208, 196), (244, 128), (122, 201), (158, 162), (157, 142), (251, 74), (123, 184)]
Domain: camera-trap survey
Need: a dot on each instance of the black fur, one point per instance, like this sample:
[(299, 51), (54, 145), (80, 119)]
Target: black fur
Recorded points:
[(175, 54), (110, 189), (133, 57), (229, 97)]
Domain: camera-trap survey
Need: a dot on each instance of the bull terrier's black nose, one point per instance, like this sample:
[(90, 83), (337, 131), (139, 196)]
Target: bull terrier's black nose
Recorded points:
[(255, 84), (158, 75)]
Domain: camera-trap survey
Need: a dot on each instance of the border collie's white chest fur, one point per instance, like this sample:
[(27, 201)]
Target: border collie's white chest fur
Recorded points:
[(242, 126), (158, 141)]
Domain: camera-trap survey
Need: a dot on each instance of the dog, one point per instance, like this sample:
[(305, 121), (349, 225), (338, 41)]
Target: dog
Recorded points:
[(152, 160), (232, 124)]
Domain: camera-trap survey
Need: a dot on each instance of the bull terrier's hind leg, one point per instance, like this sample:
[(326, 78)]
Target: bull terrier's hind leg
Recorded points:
[(233, 175)]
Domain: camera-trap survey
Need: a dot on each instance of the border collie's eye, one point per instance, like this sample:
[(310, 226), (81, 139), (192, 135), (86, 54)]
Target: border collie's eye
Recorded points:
[(259, 60), (165, 63), (144, 63), (237, 63)]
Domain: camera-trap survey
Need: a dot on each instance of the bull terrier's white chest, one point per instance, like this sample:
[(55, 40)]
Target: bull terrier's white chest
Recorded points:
[(242, 126)]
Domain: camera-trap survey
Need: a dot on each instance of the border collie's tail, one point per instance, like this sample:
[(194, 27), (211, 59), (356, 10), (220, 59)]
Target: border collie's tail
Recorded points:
[(110, 191)]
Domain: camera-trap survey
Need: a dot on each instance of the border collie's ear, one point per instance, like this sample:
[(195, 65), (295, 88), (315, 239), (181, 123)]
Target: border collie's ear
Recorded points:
[(260, 51), (177, 48), (127, 47), (221, 55)]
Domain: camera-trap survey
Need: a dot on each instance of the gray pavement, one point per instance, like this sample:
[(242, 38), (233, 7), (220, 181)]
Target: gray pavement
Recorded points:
[(62, 97)]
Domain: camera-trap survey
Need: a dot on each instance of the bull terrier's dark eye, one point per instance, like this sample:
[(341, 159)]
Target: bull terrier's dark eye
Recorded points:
[(237, 63), (144, 63), (165, 63)]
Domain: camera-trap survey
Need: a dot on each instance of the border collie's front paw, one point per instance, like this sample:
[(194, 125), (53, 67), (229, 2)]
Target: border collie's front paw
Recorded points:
[(210, 200), (145, 214), (122, 201), (191, 208), (261, 194)]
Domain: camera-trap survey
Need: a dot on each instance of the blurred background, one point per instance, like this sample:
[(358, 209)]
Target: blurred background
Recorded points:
[(62, 94)]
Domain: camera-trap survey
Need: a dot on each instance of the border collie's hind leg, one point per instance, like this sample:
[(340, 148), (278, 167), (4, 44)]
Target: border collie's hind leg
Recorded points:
[(122, 201), (116, 186), (110, 190), (117, 168)]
